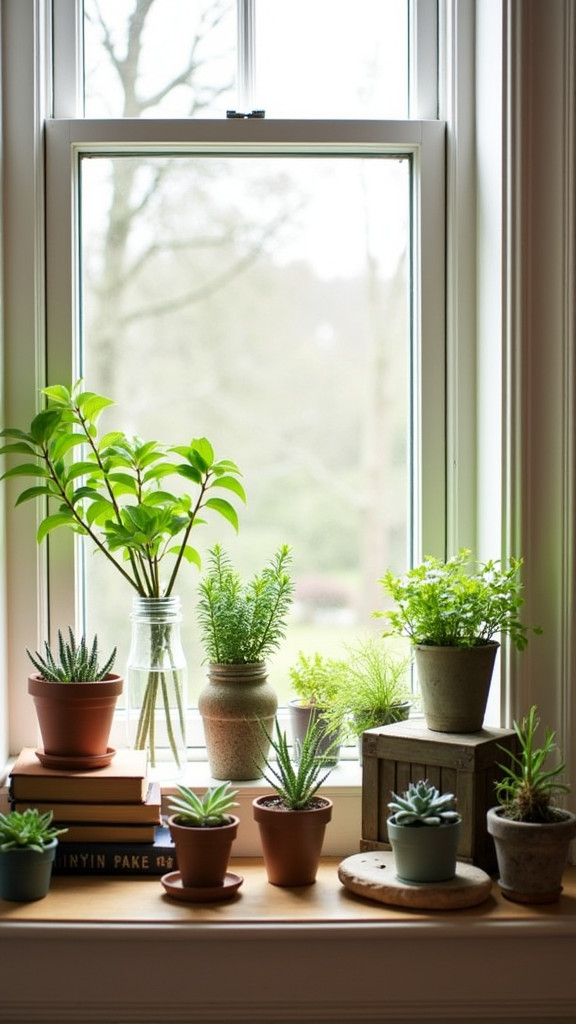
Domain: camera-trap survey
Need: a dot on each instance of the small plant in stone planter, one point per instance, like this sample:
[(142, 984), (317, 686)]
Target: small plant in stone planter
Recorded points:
[(74, 693), (531, 835), (28, 842), (424, 831)]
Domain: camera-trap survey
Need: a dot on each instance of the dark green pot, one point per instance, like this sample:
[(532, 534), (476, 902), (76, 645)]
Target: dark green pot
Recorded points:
[(25, 874)]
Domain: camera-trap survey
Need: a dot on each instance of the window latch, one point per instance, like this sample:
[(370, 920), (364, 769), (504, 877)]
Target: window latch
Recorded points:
[(254, 113)]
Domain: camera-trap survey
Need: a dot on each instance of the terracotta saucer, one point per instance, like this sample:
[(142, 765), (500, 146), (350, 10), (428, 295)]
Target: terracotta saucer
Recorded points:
[(74, 763), (201, 894)]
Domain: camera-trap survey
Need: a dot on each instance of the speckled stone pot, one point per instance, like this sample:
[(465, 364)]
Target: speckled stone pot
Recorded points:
[(234, 703), (531, 857)]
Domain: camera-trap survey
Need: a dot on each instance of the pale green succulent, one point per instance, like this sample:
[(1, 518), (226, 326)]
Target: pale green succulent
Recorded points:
[(423, 804), (207, 811)]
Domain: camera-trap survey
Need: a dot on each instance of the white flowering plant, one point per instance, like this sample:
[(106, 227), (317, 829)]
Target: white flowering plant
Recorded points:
[(457, 603)]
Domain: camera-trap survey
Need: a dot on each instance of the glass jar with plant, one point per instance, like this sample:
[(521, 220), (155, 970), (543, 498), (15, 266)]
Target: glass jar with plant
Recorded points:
[(292, 821), (113, 490), (241, 622), (531, 834), (451, 612), (74, 694)]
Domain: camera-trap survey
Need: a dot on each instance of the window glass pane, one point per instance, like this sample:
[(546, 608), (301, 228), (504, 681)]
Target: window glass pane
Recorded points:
[(159, 58), (332, 58), (263, 302)]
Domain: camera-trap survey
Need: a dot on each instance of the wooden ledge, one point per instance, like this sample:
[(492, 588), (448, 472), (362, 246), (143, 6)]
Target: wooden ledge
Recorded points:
[(141, 901)]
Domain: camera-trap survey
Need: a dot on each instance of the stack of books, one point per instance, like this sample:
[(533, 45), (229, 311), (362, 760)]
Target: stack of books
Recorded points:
[(112, 815)]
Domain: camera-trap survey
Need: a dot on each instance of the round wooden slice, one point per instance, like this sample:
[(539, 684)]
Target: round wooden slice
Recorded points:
[(372, 876)]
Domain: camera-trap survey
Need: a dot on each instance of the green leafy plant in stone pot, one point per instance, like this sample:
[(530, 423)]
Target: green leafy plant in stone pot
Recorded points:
[(28, 842), (242, 622), (531, 834), (136, 502), (74, 693), (293, 819), (451, 612), (424, 832), (315, 680), (203, 828)]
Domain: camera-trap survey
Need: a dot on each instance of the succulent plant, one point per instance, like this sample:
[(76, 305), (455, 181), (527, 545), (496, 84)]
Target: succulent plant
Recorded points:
[(423, 804), (74, 663), (296, 781), (207, 811), (27, 829), (527, 788)]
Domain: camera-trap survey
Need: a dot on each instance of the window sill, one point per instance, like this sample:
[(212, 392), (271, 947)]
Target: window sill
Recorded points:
[(152, 951)]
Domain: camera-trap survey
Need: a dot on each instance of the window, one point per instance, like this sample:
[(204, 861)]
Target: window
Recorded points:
[(317, 198)]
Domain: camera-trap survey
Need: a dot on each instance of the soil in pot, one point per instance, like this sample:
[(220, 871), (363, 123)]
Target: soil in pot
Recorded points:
[(291, 840)]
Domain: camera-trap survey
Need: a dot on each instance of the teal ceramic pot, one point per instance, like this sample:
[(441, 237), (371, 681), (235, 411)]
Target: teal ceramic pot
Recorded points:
[(25, 874), (424, 853)]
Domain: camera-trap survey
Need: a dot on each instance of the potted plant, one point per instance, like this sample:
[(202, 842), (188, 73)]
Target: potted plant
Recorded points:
[(315, 680), (74, 695), (114, 490), (203, 830), (241, 622), (292, 821), (451, 612), (531, 835), (373, 688), (424, 831), (28, 842)]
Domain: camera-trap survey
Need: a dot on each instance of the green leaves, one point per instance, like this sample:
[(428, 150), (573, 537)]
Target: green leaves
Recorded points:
[(208, 811), (243, 621), (297, 782), (451, 604), (527, 788), (74, 661), (423, 804), (27, 830), (115, 488)]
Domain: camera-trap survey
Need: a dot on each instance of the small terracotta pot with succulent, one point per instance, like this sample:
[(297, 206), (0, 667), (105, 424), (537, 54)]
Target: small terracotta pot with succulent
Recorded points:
[(203, 830)]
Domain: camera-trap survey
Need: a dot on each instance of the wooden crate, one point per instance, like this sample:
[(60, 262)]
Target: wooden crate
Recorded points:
[(466, 765)]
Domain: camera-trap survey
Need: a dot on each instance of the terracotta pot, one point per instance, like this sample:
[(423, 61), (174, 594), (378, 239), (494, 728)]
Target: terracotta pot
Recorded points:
[(202, 854), (291, 840), (531, 857), (301, 714), (75, 719), (25, 874), (233, 704), (426, 853), (454, 685)]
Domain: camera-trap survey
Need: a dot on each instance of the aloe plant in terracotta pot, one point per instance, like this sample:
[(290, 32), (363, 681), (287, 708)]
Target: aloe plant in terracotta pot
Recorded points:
[(74, 695), (292, 821), (203, 829)]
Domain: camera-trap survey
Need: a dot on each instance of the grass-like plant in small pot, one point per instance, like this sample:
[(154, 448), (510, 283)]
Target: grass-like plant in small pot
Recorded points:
[(292, 821), (74, 694), (203, 829), (532, 836), (115, 490), (28, 842), (315, 681), (424, 832), (451, 611), (241, 622), (373, 688)]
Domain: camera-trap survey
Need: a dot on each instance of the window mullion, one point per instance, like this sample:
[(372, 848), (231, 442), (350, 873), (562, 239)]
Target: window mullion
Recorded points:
[(246, 17)]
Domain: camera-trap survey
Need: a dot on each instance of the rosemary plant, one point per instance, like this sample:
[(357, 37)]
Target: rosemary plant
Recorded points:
[(74, 662)]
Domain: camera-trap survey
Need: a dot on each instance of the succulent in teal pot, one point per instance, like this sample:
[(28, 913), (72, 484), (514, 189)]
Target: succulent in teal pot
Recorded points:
[(424, 832)]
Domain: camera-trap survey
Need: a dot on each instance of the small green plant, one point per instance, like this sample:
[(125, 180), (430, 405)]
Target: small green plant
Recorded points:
[(315, 679), (296, 783), (527, 789), (243, 621), (372, 688), (74, 663), (455, 604), (423, 804), (208, 811), (28, 830)]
